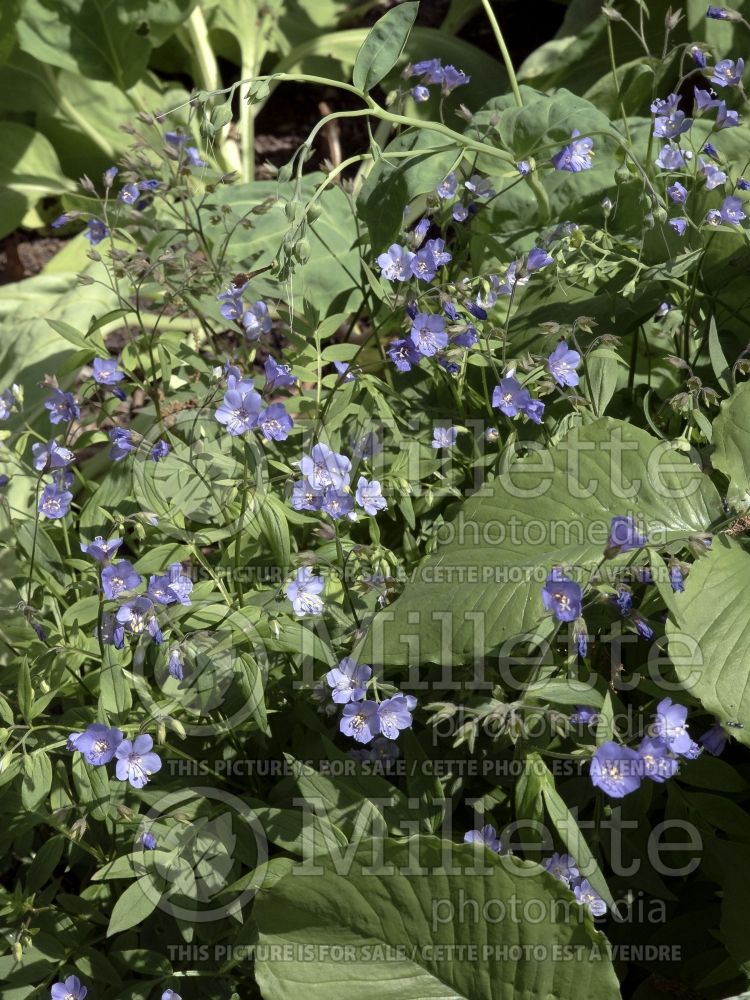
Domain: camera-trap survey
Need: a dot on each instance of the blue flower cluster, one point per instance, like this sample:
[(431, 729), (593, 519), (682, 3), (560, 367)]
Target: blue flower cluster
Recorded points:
[(364, 719), (431, 72), (100, 744), (325, 486)]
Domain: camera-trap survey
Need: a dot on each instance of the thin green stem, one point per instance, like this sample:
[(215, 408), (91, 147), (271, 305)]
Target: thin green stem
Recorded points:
[(503, 52)]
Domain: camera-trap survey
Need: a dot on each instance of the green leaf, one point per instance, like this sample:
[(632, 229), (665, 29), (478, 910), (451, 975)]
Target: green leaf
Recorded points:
[(731, 437), (383, 45), (132, 908), (37, 779), (709, 635), (482, 587), (92, 786), (718, 361), (412, 936), (114, 689), (29, 170)]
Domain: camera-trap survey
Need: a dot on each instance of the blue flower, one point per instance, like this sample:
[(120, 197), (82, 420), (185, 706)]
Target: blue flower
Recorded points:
[(728, 73), (460, 213), (122, 443), (278, 376), (136, 762), (172, 587), (714, 740), (348, 681), (420, 93), (256, 320), (725, 118), (670, 158), (731, 210), (714, 177), (100, 550), (170, 995), (304, 592), (136, 617), (658, 762), (395, 264), (624, 535), (426, 262), (193, 156), (159, 451), (670, 727), (108, 177), (360, 720), (95, 231), (98, 743), (55, 501), (447, 187), (584, 715), (678, 193), (176, 664), (562, 596), (617, 770), (106, 371), (232, 306), (590, 899), (743, 185), (704, 100), (71, 989), (562, 364), (343, 369), (511, 398), (148, 841), (444, 437), (370, 497), (676, 578), (239, 409), (669, 122), (394, 714), (336, 503), (679, 225), (562, 867), (62, 407), (51, 455), (537, 259), (382, 750), (453, 78), (404, 354), (699, 56), (486, 836), (305, 497), (576, 156), (129, 194), (718, 13), (60, 221), (623, 601), (119, 578), (523, 167), (324, 467), (275, 423)]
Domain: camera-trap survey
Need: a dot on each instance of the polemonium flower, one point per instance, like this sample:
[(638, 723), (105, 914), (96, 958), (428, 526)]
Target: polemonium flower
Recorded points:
[(95, 231), (537, 259), (432, 256), (129, 194), (584, 715), (576, 156), (304, 592), (420, 93), (562, 867), (256, 320), (239, 410), (100, 550), (343, 368), (562, 364), (713, 217), (136, 762), (394, 714), (136, 617), (61, 220), (447, 187), (562, 596), (714, 740), (669, 122), (523, 167), (444, 437), (670, 158), (348, 681), (172, 587), (159, 451), (122, 443), (624, 535), (193, 157), (670, 726), (430, 69), (278, 376), (395, 264), (718, 13), (370, 497), (106, 372), (70, 989), (726, 118), (705, 100), (679, 225), (119, 578), (62, 407), (714, 177), (731, 210), (148, 841), (534, 410), (170, 995), (743, 185), (383, 751), (480, 187), (678, 193), (616, 769), (360, 720), (55, 501), (510, 397), (486, 836), (324, 467), (404, 355), (658, 762), (336, 503), (453, 78), (676, 578), (305, 497), (176, 665), (590, 899), (728, 73), (51, 456), (98, 743), (698, 56), (232, 306), (460, 212), (275, 423)]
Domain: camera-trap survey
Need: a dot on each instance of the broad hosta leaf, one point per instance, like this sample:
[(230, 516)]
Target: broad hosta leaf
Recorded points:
[(732, 443), (483, 586), (29, 170), (408, 941), (383, 45), (711, 617)]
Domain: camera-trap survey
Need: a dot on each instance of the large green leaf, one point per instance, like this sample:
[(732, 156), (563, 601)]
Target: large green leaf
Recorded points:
[(410, 935), (483, 586), (732, 443), (709, 635), (382, 47), (29, 170)]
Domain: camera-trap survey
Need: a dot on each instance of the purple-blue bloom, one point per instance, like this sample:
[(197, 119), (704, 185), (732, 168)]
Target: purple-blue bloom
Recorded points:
[(624, 535), (714, 740), (562, 364), (55, 501), (486, 836), (106, 371), (278, 376), (240, 409), (562, 596), (98, 743), (670, 727), (426, 262), (725, 118), (728, 73), (576, 156), (670, 158), (395, 264), (679, 225), (590, 899), (122, 443), (70, 989), (148, 841), (731, 210), (678, 193), (444, 437), (404, 354), (370, 497), (62, 407), (658, 762), (172, 587), (95, 231), (136, 762), (119, 578), (159, 451), (394, 714), (420, 93), (428, 333), (275, 423), (324, 467), (537, 259), (453, 78), (304, 497), (616, 769), (447, 187), (51, 455), (718, 13), (562, 867), (699, 56), (100, 550), (256, 320), (138, 616), (176, 664), (348, 681), (583, 715), (360, 720), (336, 503), (714, 176), (129, 194), (304, 592)]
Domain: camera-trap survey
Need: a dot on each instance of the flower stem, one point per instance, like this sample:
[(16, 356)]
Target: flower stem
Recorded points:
[(503, 52)]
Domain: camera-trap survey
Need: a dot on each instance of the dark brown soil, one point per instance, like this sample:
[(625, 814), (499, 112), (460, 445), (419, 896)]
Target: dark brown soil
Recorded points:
[(24, 253)]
